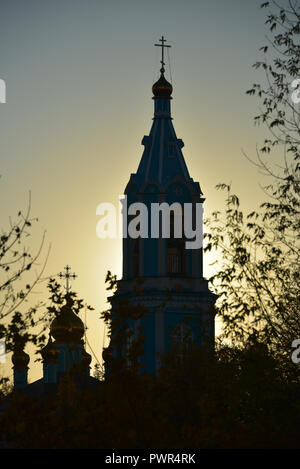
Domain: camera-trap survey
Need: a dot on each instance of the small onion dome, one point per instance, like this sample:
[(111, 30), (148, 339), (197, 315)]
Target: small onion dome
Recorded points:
[(49, 352), (85, 358), (67, 327), (20, 358), (162, 88)]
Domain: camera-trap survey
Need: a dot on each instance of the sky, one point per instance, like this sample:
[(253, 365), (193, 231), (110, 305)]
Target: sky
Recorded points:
[(78, 77)]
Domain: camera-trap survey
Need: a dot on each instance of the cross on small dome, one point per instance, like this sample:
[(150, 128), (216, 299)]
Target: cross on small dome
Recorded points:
[(67, 275), (162, 88)]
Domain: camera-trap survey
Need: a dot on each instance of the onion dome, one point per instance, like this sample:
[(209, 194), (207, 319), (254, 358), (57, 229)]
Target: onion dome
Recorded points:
[(162, 88), (67, 327), (49, 352), (20, 358)]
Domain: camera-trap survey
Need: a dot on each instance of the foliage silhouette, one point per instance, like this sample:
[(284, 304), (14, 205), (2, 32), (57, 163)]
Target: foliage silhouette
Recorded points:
[(258, 278)]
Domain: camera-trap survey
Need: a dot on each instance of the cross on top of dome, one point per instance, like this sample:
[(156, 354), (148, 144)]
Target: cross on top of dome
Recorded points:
[(67, 275), (162, 88), (162, 45)]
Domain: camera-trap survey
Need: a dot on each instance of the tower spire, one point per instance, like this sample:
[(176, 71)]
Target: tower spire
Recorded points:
[(162, 45)]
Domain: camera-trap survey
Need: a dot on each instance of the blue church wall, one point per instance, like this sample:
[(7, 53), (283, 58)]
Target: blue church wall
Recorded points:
[(150, 245), (174, 318), (150, 257), (20, 378), (146, 327), (50, 372), (147, 323), (69, 355)]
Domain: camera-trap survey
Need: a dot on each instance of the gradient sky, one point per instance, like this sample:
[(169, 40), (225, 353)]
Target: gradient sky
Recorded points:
[(79, 77)]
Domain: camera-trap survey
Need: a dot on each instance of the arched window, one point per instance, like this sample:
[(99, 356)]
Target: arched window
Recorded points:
[(174, 260), (182, 340), (176, 247)]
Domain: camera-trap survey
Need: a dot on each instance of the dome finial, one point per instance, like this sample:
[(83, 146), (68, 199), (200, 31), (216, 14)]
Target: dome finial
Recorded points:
[(162, 88), (67, 275), (162, 45), (67, 327)]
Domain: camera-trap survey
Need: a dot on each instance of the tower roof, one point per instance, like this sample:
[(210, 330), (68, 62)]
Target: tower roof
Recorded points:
[(162, 160)]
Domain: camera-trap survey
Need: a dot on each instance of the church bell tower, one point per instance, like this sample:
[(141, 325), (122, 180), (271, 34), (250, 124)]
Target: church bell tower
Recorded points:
[(160, 273)]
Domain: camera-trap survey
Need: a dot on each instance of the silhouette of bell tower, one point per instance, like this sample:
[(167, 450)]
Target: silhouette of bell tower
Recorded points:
[(164, 267)]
